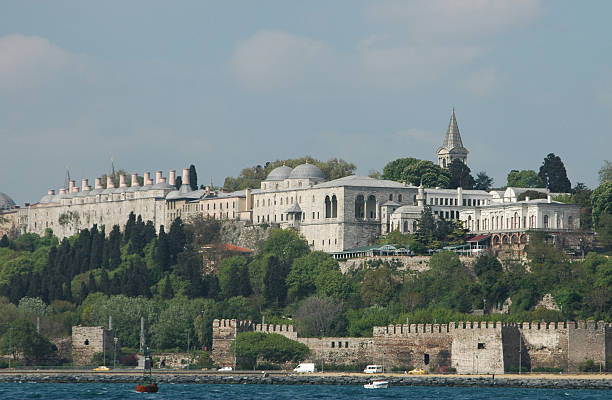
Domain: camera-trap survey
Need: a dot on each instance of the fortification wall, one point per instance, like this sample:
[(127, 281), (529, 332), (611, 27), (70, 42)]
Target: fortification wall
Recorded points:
[(341, 350), (587, 341), (88, 340), (544, 345), (241, 234), (407, 263), (477, 347)]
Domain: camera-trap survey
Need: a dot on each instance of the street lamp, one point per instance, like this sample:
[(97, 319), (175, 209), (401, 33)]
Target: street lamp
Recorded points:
[(115, 339)]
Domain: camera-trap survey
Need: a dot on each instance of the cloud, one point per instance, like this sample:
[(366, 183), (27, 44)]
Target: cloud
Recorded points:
[(452, 19), (30, 61), (275, 59)]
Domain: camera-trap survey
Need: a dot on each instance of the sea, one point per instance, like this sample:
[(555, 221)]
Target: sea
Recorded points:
[(68, 391)]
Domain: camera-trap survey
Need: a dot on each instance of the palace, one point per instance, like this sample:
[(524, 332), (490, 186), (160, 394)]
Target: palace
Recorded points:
[(333, 216)]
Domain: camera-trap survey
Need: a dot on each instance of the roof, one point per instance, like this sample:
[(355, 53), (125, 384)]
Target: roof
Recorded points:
[(6, 203), (477, 238), (409, 209), (360, 181), (279, 173), (390, 203), (306, 171), (295, 208), (452, 139), (227, 247)]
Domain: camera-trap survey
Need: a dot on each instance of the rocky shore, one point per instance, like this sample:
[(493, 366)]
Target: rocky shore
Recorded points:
[(276, 378)]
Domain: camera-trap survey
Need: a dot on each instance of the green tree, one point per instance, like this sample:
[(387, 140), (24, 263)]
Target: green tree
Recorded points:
[(416, 172), (525, 179), (271, 347), (193, 177), (23, 338), (601, 201), (553, 174), (320, 316), (605, 172), (286, 245), (275, 289), (483, 181), (460, 175), (378, 286), (4, 242), (167, 292), (234, 277)]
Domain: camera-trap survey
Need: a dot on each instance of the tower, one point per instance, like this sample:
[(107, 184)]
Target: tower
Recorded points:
[(452, 147)]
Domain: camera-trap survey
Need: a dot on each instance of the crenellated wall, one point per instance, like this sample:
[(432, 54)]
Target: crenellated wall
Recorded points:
[(469, 347)]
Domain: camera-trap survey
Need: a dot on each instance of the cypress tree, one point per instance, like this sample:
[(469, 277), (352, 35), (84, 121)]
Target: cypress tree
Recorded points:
[(104, 283), (167, 293), (129, 226), (178, 182), (176, 239), (553, 174), (114, 243), (97, 247), (92, 287), (162, 250), (193, 177)]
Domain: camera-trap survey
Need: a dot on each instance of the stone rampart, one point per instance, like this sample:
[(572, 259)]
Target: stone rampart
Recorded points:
[(88, 340), (469, 347)]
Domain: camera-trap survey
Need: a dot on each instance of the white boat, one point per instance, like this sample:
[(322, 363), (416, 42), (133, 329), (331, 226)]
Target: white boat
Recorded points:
[(377, 385)]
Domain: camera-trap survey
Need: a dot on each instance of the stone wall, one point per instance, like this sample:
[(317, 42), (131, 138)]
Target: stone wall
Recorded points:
[(469, 347), (407, 263), (243, 235), (174, 360), (88, 340)]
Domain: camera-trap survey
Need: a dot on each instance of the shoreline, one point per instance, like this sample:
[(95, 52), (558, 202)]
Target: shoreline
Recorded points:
[(551, 381)]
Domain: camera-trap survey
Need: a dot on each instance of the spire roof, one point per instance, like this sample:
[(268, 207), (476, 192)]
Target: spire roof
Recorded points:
[(453, 138)]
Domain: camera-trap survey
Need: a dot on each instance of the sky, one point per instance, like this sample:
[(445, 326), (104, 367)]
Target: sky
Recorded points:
[(226, 85)]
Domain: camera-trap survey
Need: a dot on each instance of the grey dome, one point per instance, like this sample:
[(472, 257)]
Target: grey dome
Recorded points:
[(6, 203), (279, 173), (306, 171)]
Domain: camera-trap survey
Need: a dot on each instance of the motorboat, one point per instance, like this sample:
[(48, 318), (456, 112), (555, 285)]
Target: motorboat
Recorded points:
[(377, 385)]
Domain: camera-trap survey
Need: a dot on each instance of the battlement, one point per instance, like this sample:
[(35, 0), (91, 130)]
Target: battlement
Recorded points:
[(220, 325)]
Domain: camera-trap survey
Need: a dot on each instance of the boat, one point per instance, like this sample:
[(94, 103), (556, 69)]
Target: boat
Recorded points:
[(377, 385), (147, 384)]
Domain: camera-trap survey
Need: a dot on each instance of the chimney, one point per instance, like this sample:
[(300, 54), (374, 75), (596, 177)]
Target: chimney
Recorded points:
[(249, 200), (549, 198), (98, 184), (207, 190), (147, 178), (70, 186), (109, 183), (135, 180), (158, 176), (122, 182), (172, 177), (75, 189), (62, 191), (51, 192), (85, 185), (526, 198), (186, 176), (162, 180)]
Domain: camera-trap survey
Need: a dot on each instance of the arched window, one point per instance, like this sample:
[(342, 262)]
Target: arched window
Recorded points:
[(443, 163), (327, 207), (545, 221), (517, 221), (570, 222), (334, 207), (405, 226), (391, 197), (371, 207), (414, 226), (359, 206), (399, 198)]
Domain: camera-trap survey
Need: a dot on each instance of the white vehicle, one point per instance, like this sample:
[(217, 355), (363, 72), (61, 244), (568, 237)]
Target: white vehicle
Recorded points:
[(225, 369), (305, 367), (373, 369)]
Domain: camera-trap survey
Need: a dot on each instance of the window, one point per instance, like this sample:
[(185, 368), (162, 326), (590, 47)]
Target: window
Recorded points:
[(86, 342), (399, 197), (481, 346), (346, 344), (333, 344), (426, 359), (391, 197)]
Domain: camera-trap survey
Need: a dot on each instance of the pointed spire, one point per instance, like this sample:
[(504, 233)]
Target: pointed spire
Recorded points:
[(67, 179), (453, 138)]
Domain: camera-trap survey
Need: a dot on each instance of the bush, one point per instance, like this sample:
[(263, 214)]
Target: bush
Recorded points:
[(341, 367), (589, 366), (272, 347), (129, 360), (402, 368)]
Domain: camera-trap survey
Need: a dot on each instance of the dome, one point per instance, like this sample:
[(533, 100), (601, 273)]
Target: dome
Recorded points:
[(279, 173), (6, 203), (306, 171)]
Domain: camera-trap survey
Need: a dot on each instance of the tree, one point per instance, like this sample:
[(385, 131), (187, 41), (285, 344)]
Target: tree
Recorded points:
[(193, 177), (460, 175), (532, 194), (605, 172), (286, 245), (320, 316), (23, 338), (234, 277), (178, 182), (601, 201), (427, 226), (417, 172), (167, 292), (525, 179), (275, 273), (483, 181), (553, 174), (4, 242), (374, 174), (271, 347), (378, 286)]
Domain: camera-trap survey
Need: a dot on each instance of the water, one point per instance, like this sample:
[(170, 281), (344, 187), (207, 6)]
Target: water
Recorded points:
[(66, 391)]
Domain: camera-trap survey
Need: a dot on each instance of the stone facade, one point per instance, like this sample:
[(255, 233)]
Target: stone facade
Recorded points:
[(88, 340), (469, 347)]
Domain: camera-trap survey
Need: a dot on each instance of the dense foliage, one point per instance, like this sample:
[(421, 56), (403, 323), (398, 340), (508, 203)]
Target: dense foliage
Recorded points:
[(417, 172), (271, 347), (251, 177)]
